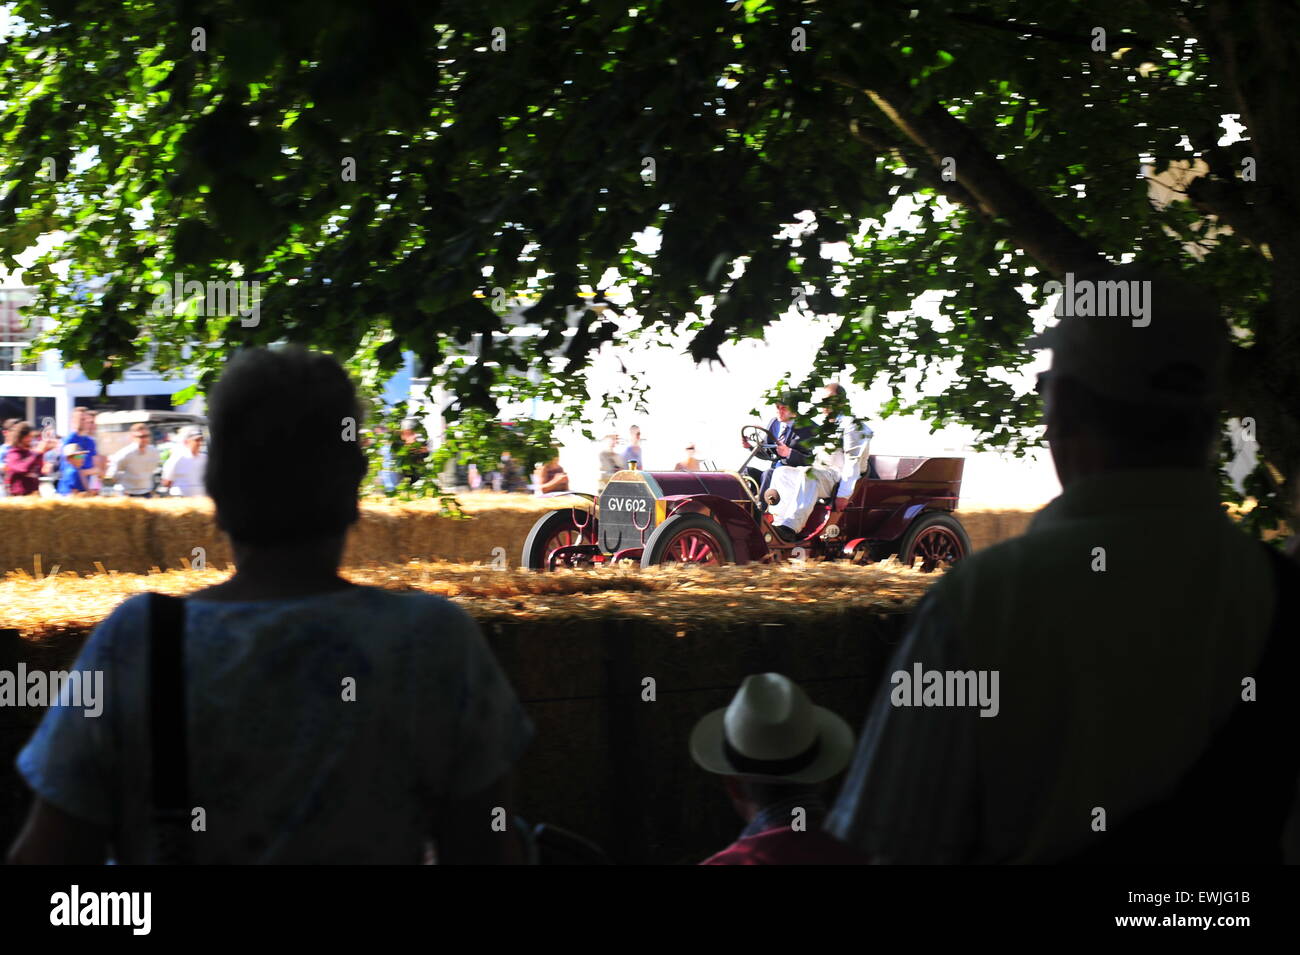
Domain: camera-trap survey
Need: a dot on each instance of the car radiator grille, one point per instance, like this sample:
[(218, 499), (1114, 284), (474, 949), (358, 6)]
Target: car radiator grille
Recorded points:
[(623, 506)]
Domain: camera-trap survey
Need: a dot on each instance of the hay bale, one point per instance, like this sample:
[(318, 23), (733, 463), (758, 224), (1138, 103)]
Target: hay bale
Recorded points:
[(73, 534), (988, 526), (179, 525), (132, 536), (577, 646), (492, 525), (674, 601), (373, 537)]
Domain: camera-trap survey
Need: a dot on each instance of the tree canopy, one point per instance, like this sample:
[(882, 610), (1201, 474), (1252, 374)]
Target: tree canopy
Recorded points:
[(388, 170)]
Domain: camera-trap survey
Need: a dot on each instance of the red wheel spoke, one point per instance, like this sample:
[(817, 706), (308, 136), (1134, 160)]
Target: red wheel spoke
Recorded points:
[(692, 546), (565, 537), (936, 545)]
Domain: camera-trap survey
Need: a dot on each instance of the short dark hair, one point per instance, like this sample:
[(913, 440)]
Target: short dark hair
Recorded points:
[(269, 402), (1137, 435), (22, 429)]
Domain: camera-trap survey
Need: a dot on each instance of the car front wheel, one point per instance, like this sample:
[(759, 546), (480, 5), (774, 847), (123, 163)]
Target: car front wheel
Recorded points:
[(551, 532), (689, 539)]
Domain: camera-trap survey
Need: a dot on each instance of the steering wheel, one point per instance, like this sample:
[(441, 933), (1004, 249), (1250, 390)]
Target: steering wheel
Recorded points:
[(761, 440)]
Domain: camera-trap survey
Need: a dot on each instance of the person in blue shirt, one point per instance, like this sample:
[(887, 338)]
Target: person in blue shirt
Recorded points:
[(83, 424), (71, 471), (632, 453), (389, 476)]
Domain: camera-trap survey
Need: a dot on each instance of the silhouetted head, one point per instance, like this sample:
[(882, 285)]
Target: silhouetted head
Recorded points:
[(277, 406), (1138, 362)]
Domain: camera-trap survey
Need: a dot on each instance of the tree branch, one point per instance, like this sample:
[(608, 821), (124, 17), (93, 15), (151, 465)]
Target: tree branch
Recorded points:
[(950, 188), (986, 184)]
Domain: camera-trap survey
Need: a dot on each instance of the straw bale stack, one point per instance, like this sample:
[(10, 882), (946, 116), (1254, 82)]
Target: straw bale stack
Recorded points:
[(374, 537), (678, 601), (81, 534), (179, 526), (988, 526), (134, 536), (578, 647), (38, 533)]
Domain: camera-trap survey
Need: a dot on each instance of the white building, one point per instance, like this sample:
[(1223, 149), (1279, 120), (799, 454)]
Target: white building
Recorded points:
[(47, 388)]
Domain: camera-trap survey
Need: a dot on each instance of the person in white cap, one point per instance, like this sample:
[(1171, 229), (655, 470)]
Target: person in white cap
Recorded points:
[(776, 750), (1133, 629), (183, 473)]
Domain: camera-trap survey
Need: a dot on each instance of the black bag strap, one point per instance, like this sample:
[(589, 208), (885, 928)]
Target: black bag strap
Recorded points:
[(167, 730), (1243, 773)]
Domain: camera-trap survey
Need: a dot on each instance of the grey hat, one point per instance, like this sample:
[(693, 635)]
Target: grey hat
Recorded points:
[(1135, 335), (190, 432)]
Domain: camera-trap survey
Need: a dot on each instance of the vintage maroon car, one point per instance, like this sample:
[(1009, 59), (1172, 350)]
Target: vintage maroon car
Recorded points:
[(903, 506)]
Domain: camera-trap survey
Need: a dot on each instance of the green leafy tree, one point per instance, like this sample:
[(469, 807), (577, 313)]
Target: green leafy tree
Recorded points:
[(415, 467), (398, 167), (477, 437)]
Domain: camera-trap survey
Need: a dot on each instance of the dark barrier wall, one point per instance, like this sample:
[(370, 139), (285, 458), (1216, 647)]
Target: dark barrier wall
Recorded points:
[(606, 763)]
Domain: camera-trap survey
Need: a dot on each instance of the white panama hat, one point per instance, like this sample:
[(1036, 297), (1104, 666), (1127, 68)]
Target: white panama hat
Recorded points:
[(772, 731)]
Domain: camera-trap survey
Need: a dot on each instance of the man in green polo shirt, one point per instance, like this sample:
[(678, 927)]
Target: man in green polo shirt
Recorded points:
[(1127, 633)]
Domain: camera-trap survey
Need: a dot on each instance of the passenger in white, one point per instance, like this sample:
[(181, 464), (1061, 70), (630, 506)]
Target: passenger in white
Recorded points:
[(794, 492), (184, 470), (133, 466)]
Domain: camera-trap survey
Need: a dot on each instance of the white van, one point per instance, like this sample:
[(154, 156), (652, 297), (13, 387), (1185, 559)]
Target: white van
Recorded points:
[(113, 428)]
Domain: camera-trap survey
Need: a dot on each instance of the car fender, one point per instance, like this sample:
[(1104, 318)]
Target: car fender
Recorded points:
[(745, 536), (896, 525)]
